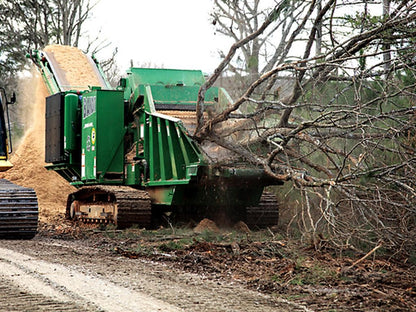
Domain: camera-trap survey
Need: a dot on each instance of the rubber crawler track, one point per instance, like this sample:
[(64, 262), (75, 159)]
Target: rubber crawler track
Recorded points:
[(18, 211), (265, 214)]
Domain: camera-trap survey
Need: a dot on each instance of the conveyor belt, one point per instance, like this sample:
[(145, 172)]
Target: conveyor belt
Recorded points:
[(88, 74)]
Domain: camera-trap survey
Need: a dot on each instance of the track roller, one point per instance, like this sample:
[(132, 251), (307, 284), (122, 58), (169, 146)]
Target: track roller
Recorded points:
[(120, 205)]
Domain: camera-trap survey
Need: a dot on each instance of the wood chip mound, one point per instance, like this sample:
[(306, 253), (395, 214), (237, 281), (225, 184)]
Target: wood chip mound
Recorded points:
[(242, 227), (28, 160), (206, 225)]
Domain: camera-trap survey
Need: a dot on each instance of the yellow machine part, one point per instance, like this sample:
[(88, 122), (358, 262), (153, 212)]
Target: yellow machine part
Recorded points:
[(5, 164)]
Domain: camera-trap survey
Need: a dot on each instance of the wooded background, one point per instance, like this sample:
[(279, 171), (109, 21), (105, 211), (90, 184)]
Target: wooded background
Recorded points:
[(324, 100)]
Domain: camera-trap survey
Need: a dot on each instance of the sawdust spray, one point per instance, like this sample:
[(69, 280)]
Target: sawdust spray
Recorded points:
[(28, 159)]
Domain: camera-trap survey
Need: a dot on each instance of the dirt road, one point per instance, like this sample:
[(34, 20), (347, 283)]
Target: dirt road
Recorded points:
[(56, 275)]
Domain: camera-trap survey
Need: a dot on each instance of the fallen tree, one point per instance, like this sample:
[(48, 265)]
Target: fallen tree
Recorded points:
[(337, 121)]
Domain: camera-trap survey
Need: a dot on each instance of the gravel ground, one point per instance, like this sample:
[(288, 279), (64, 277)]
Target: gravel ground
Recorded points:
[(47, 274)]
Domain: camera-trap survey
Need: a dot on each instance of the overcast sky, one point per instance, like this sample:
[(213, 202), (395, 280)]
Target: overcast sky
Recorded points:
[(172, 34)]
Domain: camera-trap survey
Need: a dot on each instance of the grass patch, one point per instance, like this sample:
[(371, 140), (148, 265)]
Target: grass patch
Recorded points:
[(142, 250), (173, 245), (312, 274)]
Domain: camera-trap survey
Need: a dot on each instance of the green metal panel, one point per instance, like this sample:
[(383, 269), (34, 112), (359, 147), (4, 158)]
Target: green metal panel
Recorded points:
[(70, 115), (102, 136), (182, 95), (169, 87), (173, 158), (159, 76), (132, 174)]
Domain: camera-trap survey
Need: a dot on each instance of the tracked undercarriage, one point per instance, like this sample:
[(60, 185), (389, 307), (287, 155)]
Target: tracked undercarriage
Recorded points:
[(18, 211), (121, 205), (265, 214), (125, 207)]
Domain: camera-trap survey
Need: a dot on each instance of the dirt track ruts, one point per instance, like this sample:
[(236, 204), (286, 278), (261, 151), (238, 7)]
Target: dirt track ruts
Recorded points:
[(57, 275)]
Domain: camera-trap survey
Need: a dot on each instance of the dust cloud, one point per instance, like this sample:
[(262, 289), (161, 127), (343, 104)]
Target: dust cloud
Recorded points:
[(28, 159)]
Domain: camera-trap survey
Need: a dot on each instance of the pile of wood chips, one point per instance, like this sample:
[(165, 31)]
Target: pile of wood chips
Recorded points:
[(29, 159)]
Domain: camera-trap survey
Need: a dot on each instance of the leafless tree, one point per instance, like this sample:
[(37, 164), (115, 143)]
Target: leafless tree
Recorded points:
[(386, 46), (70, 17), (33, 24), (325, 120), (239, 19)]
